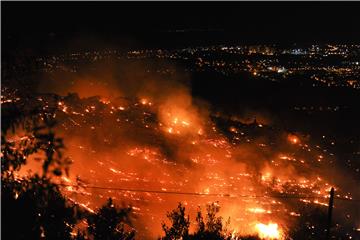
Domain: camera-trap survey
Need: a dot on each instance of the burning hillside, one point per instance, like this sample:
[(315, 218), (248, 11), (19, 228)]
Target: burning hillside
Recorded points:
[(153, 154)]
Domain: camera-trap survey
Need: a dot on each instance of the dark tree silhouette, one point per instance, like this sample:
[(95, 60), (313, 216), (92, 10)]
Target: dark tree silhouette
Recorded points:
[(109, 223), (33, 207), (212, 228), (213, 223), (179, 228)]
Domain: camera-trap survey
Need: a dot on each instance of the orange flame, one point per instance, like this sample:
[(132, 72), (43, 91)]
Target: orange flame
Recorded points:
[(268, 231)]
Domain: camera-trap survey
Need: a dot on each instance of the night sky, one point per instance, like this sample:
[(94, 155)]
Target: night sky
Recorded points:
[(41, 25)]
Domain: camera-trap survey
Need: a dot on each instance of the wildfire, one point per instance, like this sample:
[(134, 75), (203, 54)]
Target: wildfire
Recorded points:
[(268, 231), (145, 101), (258, 210), (105, 101), (293, 139), (63, 107), (144, 159), (177, 124)]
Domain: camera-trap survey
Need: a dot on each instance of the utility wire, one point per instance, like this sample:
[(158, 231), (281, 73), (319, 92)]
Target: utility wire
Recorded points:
[(207, 194)]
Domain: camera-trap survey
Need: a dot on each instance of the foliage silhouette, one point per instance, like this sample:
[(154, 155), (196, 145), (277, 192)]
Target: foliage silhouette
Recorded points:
[(110, 222), (33, 206), (212, 228), (179, 228)]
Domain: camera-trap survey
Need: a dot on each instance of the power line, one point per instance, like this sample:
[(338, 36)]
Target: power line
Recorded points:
[(208, 194)]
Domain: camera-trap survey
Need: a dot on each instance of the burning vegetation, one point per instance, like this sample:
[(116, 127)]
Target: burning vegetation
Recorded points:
[(158, 146)]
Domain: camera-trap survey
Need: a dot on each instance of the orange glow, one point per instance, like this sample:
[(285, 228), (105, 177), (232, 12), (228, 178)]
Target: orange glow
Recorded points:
[(293, 139), (105, 101), (258, 210), (175, 146), (268, 231), (145, 101)]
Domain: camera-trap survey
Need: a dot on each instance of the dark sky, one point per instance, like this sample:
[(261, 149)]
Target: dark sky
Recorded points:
[(43, 24)]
